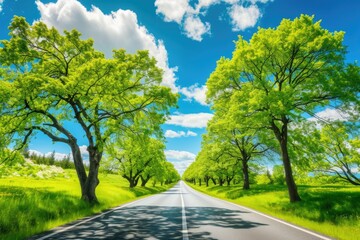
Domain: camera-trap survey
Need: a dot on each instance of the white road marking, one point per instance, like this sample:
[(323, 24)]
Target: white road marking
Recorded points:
[(267, 216), (90, 219), (183, 213)]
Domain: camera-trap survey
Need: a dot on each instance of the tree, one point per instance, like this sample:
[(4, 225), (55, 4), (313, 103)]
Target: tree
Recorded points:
[(51, 79), (138, 154), (171, 174), (239, 144), (280, 76), (339, 152)]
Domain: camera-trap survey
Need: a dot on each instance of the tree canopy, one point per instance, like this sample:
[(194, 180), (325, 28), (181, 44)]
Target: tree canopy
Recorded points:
[(280, 77), (49, 79)]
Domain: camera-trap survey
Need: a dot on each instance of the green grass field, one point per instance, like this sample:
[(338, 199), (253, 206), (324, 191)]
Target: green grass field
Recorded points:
[(29, 205), (332, 210)]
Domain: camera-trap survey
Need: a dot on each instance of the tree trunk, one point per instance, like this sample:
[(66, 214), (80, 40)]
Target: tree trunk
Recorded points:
[(213, 180), (199, 181), (221, 182), (228, 181), (206, 179), (282, 138), (92, 181), (144, 181), (245, 169), (81, 173)]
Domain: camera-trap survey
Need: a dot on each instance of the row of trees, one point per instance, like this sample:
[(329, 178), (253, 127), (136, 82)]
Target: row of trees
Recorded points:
[(263, 98), (48, 80), (138, 156)]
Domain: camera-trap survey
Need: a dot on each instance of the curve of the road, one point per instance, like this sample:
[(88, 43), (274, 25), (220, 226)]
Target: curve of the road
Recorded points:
[(180, 213)]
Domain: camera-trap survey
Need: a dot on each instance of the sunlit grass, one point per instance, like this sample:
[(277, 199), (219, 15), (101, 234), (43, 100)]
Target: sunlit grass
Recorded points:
[(331, 210), (29, 206)]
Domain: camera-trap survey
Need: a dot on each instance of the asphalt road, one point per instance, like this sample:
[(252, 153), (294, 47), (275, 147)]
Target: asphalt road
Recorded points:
[(180, 213)]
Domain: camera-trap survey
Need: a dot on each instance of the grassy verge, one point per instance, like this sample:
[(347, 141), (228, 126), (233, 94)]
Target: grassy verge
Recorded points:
[(331, 210), (29, 206)]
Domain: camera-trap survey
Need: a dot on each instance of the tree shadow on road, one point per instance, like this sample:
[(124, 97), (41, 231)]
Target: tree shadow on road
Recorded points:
[(156, 222)]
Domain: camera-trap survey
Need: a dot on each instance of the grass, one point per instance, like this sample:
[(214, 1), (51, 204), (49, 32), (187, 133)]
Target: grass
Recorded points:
[(29, 206), (332, 210)]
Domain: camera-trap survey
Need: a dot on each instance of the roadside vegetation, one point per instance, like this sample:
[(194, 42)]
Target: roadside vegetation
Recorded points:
[(30, 205), (286, 119), (332, 210)]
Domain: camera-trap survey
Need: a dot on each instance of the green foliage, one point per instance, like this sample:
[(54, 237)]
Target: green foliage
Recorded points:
[(50, 79), (10, 157), (278, 174), (278, 78)]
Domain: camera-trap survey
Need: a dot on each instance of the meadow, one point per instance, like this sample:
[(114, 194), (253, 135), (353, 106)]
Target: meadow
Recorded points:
[(32, 205), (332, 210)]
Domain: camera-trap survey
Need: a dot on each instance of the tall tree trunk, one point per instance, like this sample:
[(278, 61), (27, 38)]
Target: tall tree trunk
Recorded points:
[(80, 170), (221, 181), (199, 181), (282, 137), (206, 179), (245, 169), (213, 180), (92, 180), (145, 180), (228, 180)]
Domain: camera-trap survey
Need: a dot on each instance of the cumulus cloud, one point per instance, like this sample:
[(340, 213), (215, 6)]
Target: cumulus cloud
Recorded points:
[(119, 29), (195, 28), (180, 159), (242, 14), (173, 11), (179, 155), (331, 115), (244, 17), (173, 134), (182, 166), (193, 120), (196, 93)]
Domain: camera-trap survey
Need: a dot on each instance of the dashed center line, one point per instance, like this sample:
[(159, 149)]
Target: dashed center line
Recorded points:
[(183, 213)]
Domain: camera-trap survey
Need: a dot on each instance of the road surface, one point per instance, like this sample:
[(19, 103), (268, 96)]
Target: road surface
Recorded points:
[(180, 213)]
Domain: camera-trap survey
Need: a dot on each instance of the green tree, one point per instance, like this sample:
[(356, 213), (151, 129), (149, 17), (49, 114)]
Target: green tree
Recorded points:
[(51, 79), (280, 75), (239, 144), (138, 154), (339, 152)]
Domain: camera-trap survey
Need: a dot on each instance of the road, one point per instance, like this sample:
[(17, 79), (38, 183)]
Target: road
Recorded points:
[(180, 213)]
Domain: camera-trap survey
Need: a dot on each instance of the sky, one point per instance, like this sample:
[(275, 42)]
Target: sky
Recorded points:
[(186, 37)]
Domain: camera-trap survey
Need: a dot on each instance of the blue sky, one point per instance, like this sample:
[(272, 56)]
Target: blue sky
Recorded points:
[(186, 37)]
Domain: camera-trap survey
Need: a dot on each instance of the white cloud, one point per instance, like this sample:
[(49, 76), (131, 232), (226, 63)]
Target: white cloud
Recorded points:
[(195, 28), (243, 14), (57, 156), (330, 115), (182, 166), (1, 3), (120, 29), (195, 92), (179, 155), (244, 17), (60, 156), (193, 120), (173, 11), (173, 134), (205, 4), (180, 159)]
